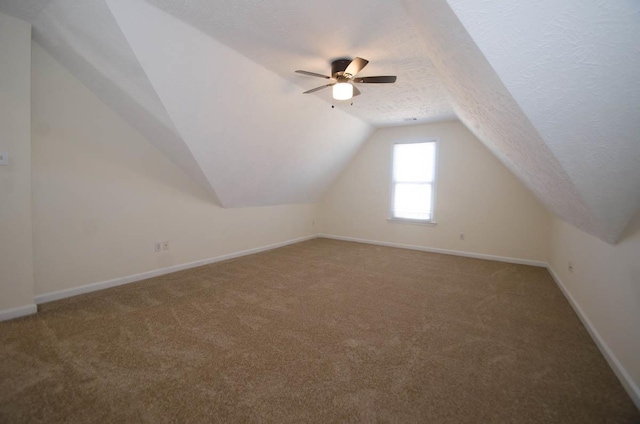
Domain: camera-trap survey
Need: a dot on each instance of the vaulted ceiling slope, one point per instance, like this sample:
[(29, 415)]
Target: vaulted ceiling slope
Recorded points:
[(579, 85), (285, 35), (233, 125), (258, 141), (85, 38), (550, 87)]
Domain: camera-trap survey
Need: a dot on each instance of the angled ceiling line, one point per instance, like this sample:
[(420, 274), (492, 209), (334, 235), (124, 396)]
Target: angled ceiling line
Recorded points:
[(572, 69), (282, 36), (208, 89), (66, 30), (187, 162), (487, 109)]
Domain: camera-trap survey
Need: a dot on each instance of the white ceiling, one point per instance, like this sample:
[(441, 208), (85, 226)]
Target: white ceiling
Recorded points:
[(573, 67), (250, 131), (550, 88), (285, 35)]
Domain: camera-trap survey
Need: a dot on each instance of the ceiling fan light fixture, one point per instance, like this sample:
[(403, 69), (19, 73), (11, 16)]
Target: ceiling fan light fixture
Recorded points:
[(343, 74), (342, 91)]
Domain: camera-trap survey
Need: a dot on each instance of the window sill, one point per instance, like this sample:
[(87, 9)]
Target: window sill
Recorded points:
[(412, 221)]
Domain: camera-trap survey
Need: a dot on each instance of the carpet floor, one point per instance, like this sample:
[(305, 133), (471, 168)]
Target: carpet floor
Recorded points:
[(320, 331)]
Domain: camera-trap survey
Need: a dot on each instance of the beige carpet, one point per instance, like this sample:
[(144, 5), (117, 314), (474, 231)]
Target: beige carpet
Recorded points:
[(321, 331)]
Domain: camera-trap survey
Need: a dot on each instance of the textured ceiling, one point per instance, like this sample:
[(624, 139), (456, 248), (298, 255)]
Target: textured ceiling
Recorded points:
[(551, 88), (285, 35), (485, 106), (573, 67)]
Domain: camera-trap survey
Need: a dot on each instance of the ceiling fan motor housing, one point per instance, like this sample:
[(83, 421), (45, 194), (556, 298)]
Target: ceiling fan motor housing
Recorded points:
[(346, 80), (338, 67)]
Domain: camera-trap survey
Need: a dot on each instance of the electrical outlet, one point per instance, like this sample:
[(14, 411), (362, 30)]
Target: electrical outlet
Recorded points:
[(570, 267), (158, 246), (165, 245), (4, 158)]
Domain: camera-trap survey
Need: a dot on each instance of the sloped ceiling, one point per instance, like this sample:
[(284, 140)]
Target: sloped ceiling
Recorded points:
[(250, 130), (87, 40), (285, 35), (233, 125), (553, 92), (578, 83), (549, 87)]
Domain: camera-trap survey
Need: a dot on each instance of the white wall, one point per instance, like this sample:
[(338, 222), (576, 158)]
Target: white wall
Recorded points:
[(102, 195), (16, 266), (605, 285), (476, 195)]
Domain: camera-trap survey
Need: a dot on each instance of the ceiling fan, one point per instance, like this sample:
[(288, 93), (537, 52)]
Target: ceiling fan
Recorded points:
[(343, 74)]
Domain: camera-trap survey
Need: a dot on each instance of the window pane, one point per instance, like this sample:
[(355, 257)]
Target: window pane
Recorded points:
[(412, 201), (414, 162)]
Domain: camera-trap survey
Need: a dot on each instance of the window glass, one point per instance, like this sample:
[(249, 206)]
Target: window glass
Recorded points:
[(414, 166)]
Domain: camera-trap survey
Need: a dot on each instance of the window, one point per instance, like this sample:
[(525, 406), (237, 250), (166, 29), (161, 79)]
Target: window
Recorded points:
[(413, 181)]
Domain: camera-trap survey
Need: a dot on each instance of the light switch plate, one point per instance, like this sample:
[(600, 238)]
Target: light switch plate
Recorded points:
[(4, 158)]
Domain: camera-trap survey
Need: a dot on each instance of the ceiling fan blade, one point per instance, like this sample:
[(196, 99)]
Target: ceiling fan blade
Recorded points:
[(313, 74), (356, 66), (313, 90), (356, 92), (376, 80)]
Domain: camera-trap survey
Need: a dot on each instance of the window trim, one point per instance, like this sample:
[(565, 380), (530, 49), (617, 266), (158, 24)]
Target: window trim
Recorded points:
[(434, 185)]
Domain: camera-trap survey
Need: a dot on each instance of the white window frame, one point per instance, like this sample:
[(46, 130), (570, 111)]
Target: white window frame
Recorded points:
[(434, 184)]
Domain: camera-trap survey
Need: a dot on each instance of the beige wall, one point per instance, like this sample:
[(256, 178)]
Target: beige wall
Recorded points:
[(476, 195), (102, 195), (605, 284), (16, 267)]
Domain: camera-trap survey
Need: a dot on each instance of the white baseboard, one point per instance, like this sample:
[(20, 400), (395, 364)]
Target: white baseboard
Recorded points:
[(625, 378), (21, 311), (88, 288), (443, 251)]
